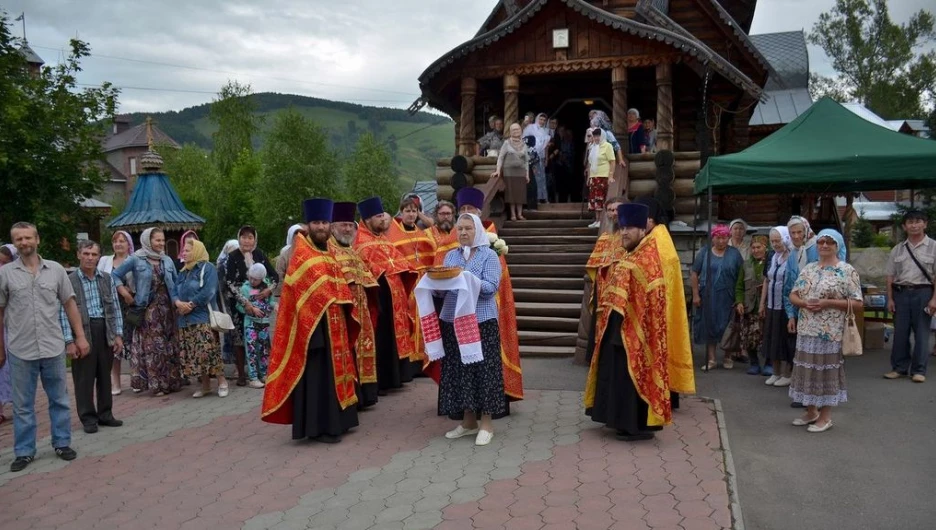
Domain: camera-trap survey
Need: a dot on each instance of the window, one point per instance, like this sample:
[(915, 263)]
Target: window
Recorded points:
[(133, 170)]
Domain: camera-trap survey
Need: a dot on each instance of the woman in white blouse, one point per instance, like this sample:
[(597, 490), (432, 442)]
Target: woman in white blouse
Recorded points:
[(122, 244)]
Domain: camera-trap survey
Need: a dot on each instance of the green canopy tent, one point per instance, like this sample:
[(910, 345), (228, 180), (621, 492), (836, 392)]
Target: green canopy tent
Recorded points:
[(827, 149)]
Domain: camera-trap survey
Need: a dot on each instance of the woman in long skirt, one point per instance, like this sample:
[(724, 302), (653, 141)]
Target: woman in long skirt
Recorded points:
[(154, 358), (470, 387), (823, 293)]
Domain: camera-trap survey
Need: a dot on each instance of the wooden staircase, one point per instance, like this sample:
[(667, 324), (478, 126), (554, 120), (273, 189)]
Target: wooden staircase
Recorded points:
[(547, 260)]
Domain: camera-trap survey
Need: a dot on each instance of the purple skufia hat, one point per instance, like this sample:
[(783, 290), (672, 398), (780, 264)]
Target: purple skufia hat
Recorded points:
[(370, 207), (633, 214), (344, 212), (472, 196), (317, 210)]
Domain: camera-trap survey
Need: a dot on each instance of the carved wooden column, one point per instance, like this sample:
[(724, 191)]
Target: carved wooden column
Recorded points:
[(457, 135), (467, 138), (664, 80), (511, 100), (619, 101)]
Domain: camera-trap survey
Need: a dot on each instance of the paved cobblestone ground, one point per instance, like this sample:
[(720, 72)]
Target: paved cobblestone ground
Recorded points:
[(183, 463)]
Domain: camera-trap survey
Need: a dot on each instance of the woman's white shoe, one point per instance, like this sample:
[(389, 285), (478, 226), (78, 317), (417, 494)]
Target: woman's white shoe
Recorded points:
[(783, 381), (460, 431), (484, 437), (771, 380)]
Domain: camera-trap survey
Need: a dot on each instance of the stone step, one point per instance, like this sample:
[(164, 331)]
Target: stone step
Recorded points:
[(551, 240), (532, 215), (550, 296), (547, 351), (564, 284), (549, 309), (507, 233), (543, 270), (546, 338), (526, 323), (522, 248), (558, 207), (553, 258), (547, 223)]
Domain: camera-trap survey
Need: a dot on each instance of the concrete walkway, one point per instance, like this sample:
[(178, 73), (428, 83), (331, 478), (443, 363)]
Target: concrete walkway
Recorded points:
[(211, 463)]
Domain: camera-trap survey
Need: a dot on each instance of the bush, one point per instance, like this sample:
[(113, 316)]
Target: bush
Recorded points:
[(881, 241)]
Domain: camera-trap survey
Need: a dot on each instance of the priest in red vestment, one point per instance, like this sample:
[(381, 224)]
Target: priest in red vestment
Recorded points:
[(471, 200), (418, 247), (396, 278), (311, 381), (365, 292), (628, 379)]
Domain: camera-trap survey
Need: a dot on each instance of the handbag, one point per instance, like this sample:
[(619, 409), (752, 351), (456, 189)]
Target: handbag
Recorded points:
[(218, 321), (731, 339), (851, 339)]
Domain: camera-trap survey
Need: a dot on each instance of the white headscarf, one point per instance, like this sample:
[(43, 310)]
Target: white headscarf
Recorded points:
[(290, 235), (480, 238), (784, 233), (147, 250), (229, 247), (257, 271)]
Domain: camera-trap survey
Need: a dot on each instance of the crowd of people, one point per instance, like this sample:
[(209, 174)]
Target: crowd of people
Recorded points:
[(325, 332), (537, 158), (780, 304), (360, 302)]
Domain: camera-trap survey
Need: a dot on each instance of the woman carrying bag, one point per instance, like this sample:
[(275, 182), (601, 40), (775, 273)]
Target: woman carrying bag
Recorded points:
[(825, 292)]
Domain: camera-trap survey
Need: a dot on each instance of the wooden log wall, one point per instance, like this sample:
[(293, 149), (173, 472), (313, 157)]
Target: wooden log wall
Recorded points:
[(642, 178)]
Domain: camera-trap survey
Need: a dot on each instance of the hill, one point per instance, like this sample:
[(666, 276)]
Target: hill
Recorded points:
[(415, 141)]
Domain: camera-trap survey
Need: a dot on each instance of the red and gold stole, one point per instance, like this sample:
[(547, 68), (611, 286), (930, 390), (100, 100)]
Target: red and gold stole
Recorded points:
[(444, 243), (314, 288), (681, 373), (364, 291), (507, 323), (385, 260), (600, 261), (637, 290)]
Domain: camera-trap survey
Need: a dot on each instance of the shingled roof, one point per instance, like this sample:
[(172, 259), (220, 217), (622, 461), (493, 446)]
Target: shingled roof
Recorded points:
[(682, 41), (787, 53), (30, 56), (787, 87), (136, 137)]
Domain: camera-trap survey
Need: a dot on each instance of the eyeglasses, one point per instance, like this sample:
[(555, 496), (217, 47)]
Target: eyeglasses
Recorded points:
[(828, 242)]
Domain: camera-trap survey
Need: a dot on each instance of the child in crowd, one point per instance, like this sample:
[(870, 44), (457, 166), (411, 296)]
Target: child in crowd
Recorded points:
[(256, 325)]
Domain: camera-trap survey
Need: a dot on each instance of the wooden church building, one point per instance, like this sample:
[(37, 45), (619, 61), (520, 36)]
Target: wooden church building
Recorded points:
[(688, 64)]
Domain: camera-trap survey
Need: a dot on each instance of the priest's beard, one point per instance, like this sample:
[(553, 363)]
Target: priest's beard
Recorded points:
[(445, 226)]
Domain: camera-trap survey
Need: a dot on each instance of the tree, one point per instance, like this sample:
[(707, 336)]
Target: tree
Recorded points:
[(877, 60), (50, 139), (833, 87), (233, 113), (862, 235), (298, 163), (370, 172)]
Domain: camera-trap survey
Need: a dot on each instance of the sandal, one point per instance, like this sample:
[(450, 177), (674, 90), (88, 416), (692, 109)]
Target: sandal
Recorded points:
[(801, 421)]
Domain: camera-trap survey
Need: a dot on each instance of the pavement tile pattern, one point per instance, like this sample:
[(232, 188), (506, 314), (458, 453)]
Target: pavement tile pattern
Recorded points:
[(183, 463)]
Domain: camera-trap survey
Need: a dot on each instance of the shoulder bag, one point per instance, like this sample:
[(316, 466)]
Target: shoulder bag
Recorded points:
[(220, 322), (851, 339)]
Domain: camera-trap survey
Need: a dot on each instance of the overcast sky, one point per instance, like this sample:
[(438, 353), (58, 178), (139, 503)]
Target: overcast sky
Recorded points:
[(366, 51)]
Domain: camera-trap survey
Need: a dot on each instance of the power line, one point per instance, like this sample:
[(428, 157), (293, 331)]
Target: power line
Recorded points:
[(189, 91), (197, 68)]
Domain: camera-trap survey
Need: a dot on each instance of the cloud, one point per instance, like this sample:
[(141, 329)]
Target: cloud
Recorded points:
[(365, 51)]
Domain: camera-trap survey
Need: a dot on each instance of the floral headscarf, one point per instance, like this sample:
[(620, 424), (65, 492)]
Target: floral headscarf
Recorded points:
[(229, 247)]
